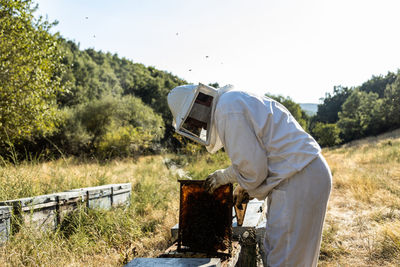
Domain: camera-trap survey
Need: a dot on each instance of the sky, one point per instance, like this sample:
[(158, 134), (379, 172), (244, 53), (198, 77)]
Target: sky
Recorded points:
[(295, 48)]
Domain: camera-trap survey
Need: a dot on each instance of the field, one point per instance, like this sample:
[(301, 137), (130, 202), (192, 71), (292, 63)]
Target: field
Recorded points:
[(362, 226)]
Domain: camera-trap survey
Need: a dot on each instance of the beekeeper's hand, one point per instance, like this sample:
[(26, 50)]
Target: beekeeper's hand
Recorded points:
[(240, 196), (220, 177)]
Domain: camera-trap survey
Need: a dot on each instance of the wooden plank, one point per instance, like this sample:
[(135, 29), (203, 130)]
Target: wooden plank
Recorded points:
[(174, 262), (43, 219), (5, 223), (172, 252), (226, 261), (107, 196), (5, 212), (39, 206), (260, 233), (248, 253), (40, 212), (68, 202)]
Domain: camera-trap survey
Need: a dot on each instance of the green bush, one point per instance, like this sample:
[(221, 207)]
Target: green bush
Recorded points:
[(327, 134), (124, 141), (362, 115), (111, 127)]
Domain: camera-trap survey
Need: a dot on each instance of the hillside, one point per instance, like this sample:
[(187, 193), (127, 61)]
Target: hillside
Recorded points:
[(363, 221)]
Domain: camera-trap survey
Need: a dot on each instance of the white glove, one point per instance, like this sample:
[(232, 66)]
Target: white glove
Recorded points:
[(220, 177)]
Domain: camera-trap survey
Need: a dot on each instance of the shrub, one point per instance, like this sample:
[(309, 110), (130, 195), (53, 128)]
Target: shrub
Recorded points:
[(110, 127), (124, 141), (327, 134)]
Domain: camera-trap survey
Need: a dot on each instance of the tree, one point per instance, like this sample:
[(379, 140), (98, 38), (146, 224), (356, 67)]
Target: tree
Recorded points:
[(327, 134), (392, 104), (29, 72), (91, 75), (361, 115), (215, 85), (377, 84), (328, 111)]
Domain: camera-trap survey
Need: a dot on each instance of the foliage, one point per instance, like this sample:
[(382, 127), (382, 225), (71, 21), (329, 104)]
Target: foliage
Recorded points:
[(92, 74), (328, 111), (29, 72), (327, 134), (294, 108), (188, 147), (392, 104), (369, 109), (361, 115), (103, 99), (215, 85), (124, 141), (110, 127), (377, 84)]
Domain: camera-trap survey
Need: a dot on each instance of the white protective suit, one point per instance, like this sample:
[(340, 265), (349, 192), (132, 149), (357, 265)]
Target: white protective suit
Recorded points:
[(273, 156)]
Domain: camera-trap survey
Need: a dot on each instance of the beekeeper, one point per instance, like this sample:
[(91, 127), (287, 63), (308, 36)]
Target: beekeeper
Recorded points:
[(271, 156)]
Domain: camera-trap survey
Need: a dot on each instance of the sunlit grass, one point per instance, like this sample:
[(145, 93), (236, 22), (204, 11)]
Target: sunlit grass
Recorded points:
[(107, 238), (364, 208), (388, 247), (361, 229)]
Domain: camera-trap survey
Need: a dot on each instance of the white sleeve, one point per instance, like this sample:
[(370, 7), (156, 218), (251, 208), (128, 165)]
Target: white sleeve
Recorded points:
[(249, 159)]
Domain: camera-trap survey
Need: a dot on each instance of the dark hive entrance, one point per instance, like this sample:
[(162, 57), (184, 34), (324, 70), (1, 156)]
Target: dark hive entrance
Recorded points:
[(205, 220)]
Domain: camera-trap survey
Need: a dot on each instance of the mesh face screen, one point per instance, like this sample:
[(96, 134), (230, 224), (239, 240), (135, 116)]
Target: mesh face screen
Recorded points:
[(204, 99), (198, 120)]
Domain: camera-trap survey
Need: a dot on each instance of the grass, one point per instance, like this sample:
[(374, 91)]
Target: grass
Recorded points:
[(109, 238), (363, 218), (362, 226)]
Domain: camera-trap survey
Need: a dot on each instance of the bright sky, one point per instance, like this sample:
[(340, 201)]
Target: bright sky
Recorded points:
[(296, 48)]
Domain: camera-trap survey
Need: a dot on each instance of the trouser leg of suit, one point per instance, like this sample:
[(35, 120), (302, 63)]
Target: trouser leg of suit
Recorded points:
[(296, 212)]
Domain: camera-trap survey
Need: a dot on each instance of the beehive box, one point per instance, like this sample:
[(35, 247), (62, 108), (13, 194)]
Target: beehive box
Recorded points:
[(205, 220), (46, 212), (39, 212), (106, 196), (68, 202), (5, 222), (121, 194)]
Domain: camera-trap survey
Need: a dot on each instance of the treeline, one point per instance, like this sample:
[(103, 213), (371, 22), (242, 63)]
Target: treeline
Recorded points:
[(56, 99), (353, 113)]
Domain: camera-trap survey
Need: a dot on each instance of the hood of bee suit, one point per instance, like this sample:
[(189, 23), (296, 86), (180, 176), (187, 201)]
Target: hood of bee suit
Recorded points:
[(180, 100)]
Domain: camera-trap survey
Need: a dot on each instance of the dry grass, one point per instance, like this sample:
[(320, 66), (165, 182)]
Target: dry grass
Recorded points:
[(106, 238), (362, 226), (363, 221)]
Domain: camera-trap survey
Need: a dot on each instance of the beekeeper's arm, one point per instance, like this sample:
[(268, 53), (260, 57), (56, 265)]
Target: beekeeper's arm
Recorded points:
[(249, 160)]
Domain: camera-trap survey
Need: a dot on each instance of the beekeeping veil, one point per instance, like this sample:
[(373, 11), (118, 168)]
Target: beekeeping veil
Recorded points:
[(193, 107)]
